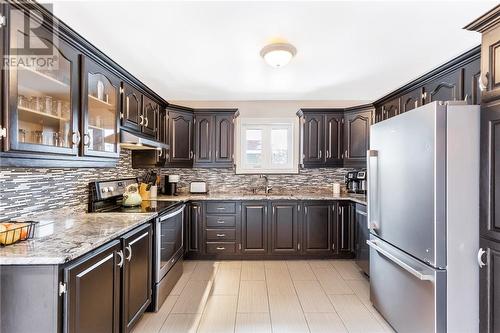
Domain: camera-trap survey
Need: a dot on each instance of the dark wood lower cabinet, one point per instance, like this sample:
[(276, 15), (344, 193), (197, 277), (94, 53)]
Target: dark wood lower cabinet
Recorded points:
[(271, 228), (254, 227), (285, 228), (345, 227), (194, 227), (137, 270), (489, 287), (110, 288), (318, 231), (93, 292)]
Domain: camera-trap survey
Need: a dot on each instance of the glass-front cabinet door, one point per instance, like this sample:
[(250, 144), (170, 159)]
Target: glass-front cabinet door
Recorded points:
[(43, 88), (100, 102)]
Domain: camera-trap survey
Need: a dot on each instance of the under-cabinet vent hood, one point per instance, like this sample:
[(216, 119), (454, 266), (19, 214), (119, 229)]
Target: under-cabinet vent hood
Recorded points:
[(134, 142)]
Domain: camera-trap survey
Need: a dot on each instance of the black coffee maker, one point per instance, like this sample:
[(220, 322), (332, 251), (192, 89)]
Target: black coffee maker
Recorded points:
[(169, 186), (351, 181)]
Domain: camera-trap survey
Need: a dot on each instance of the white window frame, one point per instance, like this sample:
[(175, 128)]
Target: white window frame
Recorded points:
[(266, 125)]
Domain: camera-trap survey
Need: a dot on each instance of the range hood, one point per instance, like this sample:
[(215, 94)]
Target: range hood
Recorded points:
[(134, 142)]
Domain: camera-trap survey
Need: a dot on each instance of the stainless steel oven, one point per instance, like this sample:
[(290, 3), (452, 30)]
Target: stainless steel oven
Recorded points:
[(169, 247)]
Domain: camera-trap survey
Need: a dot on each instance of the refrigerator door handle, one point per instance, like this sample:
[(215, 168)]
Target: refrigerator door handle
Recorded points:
[(415, 272), (373, 204)]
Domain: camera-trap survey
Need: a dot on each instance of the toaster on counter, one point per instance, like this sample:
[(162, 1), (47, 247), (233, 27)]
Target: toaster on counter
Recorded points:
[(198, 187)]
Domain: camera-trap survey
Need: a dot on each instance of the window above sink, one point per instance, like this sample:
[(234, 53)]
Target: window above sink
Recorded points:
[(267, 145)]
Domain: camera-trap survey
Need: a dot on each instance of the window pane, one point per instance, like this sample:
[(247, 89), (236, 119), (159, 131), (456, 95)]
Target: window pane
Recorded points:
[(253, 153), (279, 146)]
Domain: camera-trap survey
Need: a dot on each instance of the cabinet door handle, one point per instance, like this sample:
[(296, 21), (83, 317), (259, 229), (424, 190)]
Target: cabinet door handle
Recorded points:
[(142, 120), (86, 140), (129, 248), (191, 154), (320, 154), (221, 235), (76, 138), (147, 122), (120, 253), (220, 248), (480, 254), (346, 154)]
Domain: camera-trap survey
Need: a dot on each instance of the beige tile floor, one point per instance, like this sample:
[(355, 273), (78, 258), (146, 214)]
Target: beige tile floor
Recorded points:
[(307, 296)]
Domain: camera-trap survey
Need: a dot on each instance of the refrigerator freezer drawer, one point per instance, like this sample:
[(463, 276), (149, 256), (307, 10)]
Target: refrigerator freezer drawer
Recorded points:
[(411, 296)]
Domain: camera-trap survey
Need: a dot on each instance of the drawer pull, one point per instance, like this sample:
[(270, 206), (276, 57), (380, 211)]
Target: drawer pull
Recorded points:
[(221, 235), (220, 248), (220, 221), (221, 208)]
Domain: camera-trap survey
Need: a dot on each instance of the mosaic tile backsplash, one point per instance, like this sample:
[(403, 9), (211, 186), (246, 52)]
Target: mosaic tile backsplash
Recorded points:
[(24, 191)]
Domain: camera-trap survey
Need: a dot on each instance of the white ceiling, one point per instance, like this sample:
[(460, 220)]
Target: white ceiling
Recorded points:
[(210, 50)]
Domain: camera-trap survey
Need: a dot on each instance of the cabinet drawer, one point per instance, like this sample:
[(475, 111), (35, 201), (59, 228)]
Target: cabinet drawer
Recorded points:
[(221, 220), (221, 207), (226, 247), (221, 234)]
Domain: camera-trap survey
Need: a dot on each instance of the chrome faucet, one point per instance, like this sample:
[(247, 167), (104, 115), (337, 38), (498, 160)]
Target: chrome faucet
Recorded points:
[(268, 188)]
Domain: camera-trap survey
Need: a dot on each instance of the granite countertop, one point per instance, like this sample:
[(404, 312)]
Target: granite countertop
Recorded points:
[(63, 235), (358, 198)]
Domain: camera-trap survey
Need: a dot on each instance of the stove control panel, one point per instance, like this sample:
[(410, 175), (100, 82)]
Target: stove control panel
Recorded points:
[(113, 188)]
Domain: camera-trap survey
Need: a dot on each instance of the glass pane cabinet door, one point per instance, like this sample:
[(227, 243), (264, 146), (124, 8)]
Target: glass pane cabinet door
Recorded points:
[(43, 89), (101, 119)]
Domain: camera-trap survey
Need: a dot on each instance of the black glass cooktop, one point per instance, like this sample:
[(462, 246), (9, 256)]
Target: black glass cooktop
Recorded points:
[(147, 206)]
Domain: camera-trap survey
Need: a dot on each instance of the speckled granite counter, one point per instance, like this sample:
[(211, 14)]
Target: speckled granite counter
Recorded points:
[(62, 235), (358, 198)]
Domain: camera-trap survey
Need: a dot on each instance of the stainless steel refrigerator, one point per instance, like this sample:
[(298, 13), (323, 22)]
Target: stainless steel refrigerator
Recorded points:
[(423, 174)]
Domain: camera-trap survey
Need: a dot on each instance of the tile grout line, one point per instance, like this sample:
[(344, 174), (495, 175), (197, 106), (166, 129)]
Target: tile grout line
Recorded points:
[(334, 309), (268, 301), (178, 296), (206, 302), (237, 300)]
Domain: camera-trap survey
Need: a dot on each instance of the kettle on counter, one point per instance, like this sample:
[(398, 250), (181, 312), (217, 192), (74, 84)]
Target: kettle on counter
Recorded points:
[(131, 197)]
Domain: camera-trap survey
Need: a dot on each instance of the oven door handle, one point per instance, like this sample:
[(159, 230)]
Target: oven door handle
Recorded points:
[(172, 214)]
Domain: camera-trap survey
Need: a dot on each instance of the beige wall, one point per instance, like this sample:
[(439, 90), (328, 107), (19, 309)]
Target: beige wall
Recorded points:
[(268, 109)]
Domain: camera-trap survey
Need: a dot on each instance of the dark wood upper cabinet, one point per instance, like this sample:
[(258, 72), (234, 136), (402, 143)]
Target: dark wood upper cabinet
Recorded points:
[(314, 138), (391, 108), (92, 301), (204, 138), (181, 138), (254, 227), (131, 108), (357, 136), (224, 139), (489, 186), (284, 227), (317, 228), (137, 275), (214, 138), (150, 112), (101, 101), (411, 100), (445, 88), (334, 124), (471, 89), (41, 104), (489, 80)]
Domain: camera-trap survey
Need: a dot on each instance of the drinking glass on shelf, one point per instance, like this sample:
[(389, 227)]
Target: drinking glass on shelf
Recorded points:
[(21, 101), (66, 109), (37, 137), (57, 108), (22, 135), (37, 104), (48, 104)]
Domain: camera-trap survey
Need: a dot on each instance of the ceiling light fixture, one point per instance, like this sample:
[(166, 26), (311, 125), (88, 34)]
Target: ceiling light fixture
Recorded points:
[(278, 54)]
